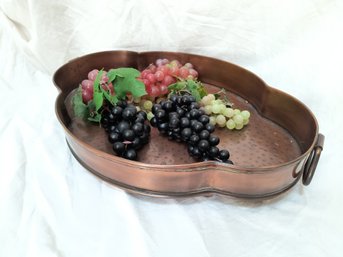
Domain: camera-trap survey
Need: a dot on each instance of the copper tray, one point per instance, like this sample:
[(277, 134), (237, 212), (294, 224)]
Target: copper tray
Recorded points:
[(280, 145)]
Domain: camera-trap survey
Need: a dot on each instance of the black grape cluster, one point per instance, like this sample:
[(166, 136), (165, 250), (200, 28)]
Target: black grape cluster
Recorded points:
[(180, 119), (126, 129)]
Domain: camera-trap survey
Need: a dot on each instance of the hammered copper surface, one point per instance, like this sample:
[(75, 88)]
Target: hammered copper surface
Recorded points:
[(261, 143), (269, 154)]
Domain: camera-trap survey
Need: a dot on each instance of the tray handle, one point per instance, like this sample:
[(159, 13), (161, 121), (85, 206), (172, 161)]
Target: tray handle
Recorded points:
[(312, 161)]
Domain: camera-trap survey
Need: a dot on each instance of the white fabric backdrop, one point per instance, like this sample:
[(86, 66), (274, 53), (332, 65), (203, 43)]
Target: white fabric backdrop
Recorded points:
[(51, 206)]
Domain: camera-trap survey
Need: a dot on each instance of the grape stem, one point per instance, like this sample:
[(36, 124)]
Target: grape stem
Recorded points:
[(222, 93), (179, 92)]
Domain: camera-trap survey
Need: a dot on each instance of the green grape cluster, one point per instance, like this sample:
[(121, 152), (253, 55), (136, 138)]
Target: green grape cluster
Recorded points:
[(223, 116)]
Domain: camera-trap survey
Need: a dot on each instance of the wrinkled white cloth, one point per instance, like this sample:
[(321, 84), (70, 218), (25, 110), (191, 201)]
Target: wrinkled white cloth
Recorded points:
[(51, 206)]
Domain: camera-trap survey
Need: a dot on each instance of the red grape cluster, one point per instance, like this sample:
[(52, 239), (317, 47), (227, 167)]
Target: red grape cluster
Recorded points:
[(87, 85), (157, 77)]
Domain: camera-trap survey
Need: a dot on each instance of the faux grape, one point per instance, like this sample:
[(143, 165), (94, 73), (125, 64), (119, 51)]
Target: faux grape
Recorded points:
[(114, 137), (224, 155), (130, 154)]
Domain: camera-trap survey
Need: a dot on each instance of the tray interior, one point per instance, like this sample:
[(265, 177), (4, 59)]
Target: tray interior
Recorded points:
[(261, 143)]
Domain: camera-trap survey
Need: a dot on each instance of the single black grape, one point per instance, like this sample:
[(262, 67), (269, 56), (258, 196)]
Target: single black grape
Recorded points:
[(138, 128), (153, 122), (213, 151), (179, 100), (174, 115), (117, 111), (163, 127), (197, 126), (194, 105), (173, 98), (184, 100), (174, 123), (196, 152), (201, 112), (119, 147), (112, 128), (129, 113), (167, 106), (190, 149), (194, 113), (203, 145), (111, 117), (210, 127), (176, 99), (184, 122), (204, 134), (139, 119), (213, 140), (114, 137), (224, 155), (204, 119), (128, 135), (123, 125), (181, 112), (186, 133), (142, 114), (191, 99), (156, 107), (136, 143), (192, 123), (160, 114), (130, 154), (194, 139)]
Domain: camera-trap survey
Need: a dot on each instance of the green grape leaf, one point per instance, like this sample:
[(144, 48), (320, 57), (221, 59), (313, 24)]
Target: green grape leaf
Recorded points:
[(91, 106), (98, 100), (111, 74), (111, 98), (125, 82), (180, 85), (124, 72), (195, 88), (80, 109), (96, 86), (202, 91)]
